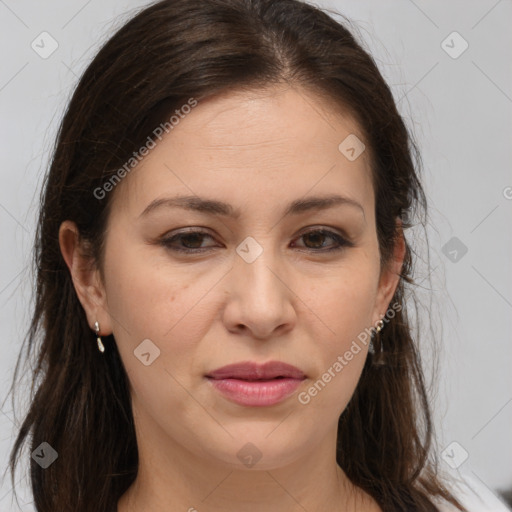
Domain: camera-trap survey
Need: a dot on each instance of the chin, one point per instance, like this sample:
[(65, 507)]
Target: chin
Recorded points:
[(264, 450)]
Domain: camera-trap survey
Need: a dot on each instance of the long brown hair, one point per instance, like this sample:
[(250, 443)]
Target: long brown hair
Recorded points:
[(169, 52)]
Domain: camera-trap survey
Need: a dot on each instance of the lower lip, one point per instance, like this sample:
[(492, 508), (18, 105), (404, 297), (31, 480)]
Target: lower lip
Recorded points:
[(261, 393)]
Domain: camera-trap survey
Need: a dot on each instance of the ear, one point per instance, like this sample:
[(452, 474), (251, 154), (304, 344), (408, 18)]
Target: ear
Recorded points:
[(86, 278), (390, 276)]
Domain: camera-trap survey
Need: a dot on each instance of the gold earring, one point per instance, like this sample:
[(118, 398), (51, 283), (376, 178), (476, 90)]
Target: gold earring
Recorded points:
[(98, 339), (371, 347)]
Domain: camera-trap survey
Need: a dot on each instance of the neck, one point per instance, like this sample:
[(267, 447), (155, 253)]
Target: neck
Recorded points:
[(176, 477)]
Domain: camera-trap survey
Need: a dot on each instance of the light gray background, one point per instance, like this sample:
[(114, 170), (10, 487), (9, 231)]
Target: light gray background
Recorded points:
[(460, 112)]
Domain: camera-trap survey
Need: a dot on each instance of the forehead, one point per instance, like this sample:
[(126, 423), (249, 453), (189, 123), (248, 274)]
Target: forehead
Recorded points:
[(251, 146)]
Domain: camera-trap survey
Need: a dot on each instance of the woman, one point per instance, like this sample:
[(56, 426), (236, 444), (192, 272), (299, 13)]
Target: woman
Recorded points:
[(222, 270)]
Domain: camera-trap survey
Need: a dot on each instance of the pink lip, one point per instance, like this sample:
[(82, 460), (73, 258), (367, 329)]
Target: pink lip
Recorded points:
[(256, 385)]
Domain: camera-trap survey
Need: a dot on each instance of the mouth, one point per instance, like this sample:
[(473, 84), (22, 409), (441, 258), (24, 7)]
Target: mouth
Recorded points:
[(250, 371), (254, 385)]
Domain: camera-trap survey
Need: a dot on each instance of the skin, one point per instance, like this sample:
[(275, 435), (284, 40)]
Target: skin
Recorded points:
[(296, 303)]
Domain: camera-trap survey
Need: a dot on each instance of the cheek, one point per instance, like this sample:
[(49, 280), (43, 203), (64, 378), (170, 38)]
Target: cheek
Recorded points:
[(168, 305), (342, 302), (340, 356), (165, 308), (148, 301)]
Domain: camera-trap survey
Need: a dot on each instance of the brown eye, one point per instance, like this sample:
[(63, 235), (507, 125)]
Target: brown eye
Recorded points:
[(189, 241), (314, 240)]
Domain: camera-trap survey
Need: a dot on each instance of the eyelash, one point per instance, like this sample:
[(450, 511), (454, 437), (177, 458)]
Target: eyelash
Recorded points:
[(342, 242)]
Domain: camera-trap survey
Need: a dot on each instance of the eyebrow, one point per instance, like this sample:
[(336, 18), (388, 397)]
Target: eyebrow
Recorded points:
[(213, 207)]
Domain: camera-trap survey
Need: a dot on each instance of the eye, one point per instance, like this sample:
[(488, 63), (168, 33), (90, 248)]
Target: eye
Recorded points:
[(191, 239), (316, 236)]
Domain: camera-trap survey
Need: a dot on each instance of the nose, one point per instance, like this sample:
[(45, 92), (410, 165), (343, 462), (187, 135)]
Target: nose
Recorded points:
[(261, 300)]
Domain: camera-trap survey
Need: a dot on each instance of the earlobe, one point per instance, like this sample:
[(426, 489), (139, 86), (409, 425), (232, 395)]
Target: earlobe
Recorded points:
[(85, 277)]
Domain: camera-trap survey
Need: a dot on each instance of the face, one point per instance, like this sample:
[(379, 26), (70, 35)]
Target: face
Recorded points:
[(269, 275)]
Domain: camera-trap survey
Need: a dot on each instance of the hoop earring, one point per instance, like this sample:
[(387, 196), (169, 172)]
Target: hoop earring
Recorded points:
[(101, 347)]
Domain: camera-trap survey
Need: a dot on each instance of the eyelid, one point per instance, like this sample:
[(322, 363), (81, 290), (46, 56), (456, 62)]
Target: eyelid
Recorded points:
[(324, 228)]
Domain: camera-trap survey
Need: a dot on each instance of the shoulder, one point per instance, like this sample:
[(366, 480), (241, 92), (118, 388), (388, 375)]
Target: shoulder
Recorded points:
[(474, 495)]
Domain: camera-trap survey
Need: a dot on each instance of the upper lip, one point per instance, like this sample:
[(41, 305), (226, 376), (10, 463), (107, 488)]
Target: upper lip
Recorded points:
[(253, 371)]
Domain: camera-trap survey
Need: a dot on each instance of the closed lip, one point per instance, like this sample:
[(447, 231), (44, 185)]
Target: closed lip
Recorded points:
[(253, 371)]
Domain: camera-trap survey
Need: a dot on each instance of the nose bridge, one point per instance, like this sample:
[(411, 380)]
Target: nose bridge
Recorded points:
[(255, 269), (261, 301)]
